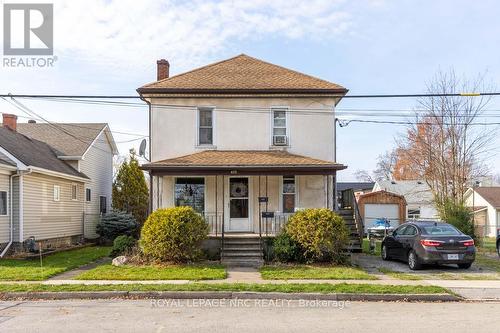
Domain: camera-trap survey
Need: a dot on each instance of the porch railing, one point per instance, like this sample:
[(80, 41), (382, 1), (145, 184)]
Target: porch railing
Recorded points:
[(214, 223), (271, 226)]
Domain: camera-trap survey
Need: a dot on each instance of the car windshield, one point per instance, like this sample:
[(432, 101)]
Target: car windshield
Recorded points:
[(440, 230)]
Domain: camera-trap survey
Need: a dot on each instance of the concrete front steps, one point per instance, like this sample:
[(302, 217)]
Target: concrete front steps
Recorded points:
[(243, 251)]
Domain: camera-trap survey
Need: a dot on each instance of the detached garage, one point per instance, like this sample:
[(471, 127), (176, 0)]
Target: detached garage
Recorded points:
[(382, 204)]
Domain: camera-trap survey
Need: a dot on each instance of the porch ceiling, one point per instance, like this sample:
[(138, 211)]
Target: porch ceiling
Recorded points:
[(247, 162)]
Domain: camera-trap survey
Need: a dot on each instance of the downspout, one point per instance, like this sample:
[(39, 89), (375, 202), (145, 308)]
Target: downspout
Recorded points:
[(19, 173)]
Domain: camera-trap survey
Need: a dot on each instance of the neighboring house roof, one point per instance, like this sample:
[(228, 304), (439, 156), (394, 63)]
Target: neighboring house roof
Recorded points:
[(356, 186), (242, 74), (34, 153), (490, 194), (414, 191), (67, 139), (242, 158)]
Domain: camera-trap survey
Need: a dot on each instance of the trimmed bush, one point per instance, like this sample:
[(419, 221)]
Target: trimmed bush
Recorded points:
[(286, 249), (122, 244), (115, 224), (320, 233), (173, 235)]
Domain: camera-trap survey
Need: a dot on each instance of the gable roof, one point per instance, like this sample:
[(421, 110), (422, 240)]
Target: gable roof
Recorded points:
[(356, 186), (490, 194), (242, 74), (34, 153), (414, 191), (67, 139)]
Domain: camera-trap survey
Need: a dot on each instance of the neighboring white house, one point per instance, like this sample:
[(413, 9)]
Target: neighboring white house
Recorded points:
[(418, 196), (50, 175), (485, 202), (225, 134)]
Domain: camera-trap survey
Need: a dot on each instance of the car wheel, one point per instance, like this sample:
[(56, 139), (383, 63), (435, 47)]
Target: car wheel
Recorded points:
[(465, 266), (384, 254), (413, 262)]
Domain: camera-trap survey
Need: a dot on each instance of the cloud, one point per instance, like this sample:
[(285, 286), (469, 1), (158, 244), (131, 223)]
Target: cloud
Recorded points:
[(131, 33)]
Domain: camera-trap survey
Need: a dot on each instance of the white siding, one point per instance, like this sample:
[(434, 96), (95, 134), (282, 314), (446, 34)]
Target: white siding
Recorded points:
[(4, 219), (97, 164), (45, 218)]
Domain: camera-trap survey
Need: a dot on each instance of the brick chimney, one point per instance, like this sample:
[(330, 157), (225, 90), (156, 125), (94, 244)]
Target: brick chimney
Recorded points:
[(9, 121), (162, 69)]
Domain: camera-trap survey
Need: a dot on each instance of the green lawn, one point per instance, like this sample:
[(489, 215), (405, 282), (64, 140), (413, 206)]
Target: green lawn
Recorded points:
[(31, 270), (324, 288), (366, 246), (180, 272), (487, 244), (314, 272), (492, 263)]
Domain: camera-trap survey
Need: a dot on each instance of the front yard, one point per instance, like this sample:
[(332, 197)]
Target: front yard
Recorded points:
[(317, 272), (34, 270), (151, 272)]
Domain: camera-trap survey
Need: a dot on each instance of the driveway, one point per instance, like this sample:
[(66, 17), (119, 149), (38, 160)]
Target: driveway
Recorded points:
[(372, 264)]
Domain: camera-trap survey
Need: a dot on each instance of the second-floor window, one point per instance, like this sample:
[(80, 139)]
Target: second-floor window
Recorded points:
[(280, 137), (205, 126)]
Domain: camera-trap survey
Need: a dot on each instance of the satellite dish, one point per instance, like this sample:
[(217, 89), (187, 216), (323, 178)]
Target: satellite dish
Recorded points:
[(142, 148)]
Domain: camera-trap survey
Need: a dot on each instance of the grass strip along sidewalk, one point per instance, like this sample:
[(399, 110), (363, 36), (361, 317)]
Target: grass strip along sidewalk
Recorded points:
[(324, 288), (32, 270), (181, 272), (302, 272)]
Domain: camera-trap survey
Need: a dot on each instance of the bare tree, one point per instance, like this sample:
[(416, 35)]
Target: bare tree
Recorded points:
[(363, 176), (386, 163), (446, 145)]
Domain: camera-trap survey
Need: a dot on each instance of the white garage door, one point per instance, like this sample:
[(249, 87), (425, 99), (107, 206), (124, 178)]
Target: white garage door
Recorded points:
[(377, 211)]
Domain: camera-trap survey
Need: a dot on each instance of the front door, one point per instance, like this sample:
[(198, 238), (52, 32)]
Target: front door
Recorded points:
[(238, 194)]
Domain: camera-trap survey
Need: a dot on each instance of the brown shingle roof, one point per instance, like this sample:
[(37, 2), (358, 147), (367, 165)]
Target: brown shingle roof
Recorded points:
[(68, 139), (239, 158), (242, 74), (490, 194)]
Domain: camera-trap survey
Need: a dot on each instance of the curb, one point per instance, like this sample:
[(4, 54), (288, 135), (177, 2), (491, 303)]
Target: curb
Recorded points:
[(48, 295)]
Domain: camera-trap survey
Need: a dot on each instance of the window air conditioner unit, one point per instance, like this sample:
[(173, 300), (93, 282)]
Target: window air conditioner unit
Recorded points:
[(280, 140)]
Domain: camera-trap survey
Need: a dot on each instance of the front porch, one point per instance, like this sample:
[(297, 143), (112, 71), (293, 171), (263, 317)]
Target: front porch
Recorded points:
[(243, 194)]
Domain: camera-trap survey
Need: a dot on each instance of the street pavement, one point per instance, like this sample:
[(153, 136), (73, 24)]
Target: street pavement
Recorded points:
[(245, 316)]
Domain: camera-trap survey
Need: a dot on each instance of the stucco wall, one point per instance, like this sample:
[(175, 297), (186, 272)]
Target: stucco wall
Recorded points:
[(310, 193), (174, 131)]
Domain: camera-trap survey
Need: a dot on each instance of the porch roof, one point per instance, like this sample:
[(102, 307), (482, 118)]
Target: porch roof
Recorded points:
[(248, 162)]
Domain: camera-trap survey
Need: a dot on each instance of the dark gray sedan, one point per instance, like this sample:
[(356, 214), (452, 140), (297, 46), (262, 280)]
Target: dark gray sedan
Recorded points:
[(429, 242)]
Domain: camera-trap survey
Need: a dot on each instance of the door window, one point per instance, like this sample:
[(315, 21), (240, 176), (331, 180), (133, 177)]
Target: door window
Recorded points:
[(410, 231), (238, 198), (399, 231)]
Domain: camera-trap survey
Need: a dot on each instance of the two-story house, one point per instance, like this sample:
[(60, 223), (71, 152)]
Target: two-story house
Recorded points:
[(55, 181), (242, 141)]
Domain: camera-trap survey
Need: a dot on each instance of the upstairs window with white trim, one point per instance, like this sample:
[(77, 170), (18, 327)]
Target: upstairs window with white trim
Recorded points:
[(3, 203), (57, 192), (205, 126), (288, 194), (280, 135)]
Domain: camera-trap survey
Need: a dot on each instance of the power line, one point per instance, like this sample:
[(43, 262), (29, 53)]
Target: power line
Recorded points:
[(462, 94)]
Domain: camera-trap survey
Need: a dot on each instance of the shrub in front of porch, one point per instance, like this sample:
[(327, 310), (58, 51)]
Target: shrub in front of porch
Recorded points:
[(173, 235), (319, 233)]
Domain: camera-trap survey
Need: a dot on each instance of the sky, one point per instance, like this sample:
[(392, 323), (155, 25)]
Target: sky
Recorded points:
[(370, 47)]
